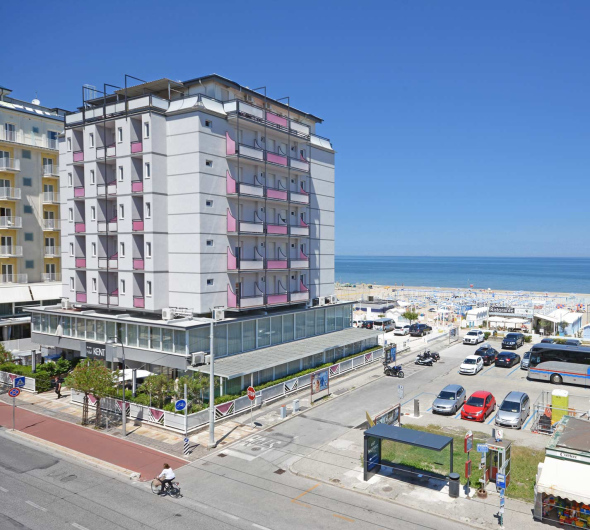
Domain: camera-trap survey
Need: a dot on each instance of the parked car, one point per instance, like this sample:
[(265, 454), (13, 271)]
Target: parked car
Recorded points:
[(487, 353), (401, 329), (524, 364), (474, 337), (513, 340), (471, 365), (479, 406), (573, 342), (514, 410), (450, 400), (419, 330), (547, 341), (368, 324), (507, 359)]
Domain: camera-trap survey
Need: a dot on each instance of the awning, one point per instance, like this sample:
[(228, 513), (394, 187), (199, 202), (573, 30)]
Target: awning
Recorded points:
[(46, 291), (565, 479), (9, 295)]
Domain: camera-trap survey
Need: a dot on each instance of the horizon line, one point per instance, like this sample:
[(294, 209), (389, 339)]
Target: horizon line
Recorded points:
[(450, 256)]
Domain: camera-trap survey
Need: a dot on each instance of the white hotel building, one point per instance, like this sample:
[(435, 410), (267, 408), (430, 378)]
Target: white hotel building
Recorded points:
[(182, 200)]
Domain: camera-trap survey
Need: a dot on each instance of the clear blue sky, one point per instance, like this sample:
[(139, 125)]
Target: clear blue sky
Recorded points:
[(462, 127)]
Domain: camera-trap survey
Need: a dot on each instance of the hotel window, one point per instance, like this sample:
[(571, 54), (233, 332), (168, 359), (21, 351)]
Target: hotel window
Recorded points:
[(70, 180), (120, 134), (121, 250), (28, 236), (146, 129), (93, 213), (92, 177), (208, 123), (29, 264), (209, 163), (91, 139), (94, 285), (148, 250), (26, 154), (94, 249), (71, 284), (69, 144), (148, 170), (120, 173), (209, 203), (148, 288), (148, 210), (27, 181), (209, 281), (71, 249), (121, 211), (122, 282), (71, 215), (209, 242), (28, 208)]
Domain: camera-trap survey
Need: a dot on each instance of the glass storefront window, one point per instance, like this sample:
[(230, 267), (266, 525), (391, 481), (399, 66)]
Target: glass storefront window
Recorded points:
[(220, 340), (309, 324), (263, 332), (90, 329), (44, 323), (198, 339), (111, 332), (288, 327), (122, 332), (36, 321), (132, 335), (234, 338), (100, 331), (143, 336), (330, 319), (167, 339), (65, 325), (339, 317), (276, 330), (156, 338), (300, 325), (320, 321), (179, 341), (249, 335), (53, 324), (81, 325)]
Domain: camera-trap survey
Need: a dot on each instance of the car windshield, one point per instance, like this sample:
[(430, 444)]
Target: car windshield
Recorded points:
[(469, 361), (475, 401), (527, 355), (510, 406), (511, 336), (447, 395), (472, 333)]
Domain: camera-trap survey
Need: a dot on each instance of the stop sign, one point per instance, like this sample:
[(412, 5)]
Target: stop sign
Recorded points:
[(251, 393)]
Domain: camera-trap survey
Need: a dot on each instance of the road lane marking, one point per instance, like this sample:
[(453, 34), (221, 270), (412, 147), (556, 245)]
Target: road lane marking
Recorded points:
[(234, 517), (36, 506), (79, 526), (4, 490), (342, 517), (305, 492), (301, 503), (492, 419), (260, 526)]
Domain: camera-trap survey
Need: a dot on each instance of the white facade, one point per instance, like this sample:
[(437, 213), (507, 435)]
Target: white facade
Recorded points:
[(476, 317), (214, 198)]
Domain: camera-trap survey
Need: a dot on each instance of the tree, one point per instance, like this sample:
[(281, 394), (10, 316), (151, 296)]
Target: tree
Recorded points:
[(546, 326), (92, 377), (196, 386), (159, 386), (410, 315), (563, 325), (5, 355)]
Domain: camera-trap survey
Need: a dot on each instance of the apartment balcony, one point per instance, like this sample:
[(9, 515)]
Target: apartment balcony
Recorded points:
[(257, 226), (78, 156), (279, 298), (139, 302), (109, 263), (79, 192), (301, 197), (276, 194), (51, 277), (9, 164), (299, 296), (109, 299), (52, 252), (258, 154), (234, 263), (277, 264), (11, 222), (138, 264), (107, 226), (50, 224), (300, 263), (137, 186), (10, 194), (277, 229), (136, 147), (244, 301), (11, 252), (109, 151), (137, 225), (301, 230), (80, 228), (33, 140), (253, 190), (80, 263), (81, 297), (51, 170), (110, 189), (14, 278), (50, 197)]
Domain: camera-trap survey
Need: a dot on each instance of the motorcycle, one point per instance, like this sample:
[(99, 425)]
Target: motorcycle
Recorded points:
[(435, 356), (395, 371), (423, 360)]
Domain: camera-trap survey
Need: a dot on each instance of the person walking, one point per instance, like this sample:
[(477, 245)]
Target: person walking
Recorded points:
[(57, 381)]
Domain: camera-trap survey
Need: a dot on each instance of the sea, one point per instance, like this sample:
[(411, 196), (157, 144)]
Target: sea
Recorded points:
[(559, 275)]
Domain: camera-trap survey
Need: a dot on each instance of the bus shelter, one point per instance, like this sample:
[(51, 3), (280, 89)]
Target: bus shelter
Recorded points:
[(375, 435)]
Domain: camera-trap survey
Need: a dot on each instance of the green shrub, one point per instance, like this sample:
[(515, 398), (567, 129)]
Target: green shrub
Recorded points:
[(560, 341), (528, 338), (486, 335), (42, 382)]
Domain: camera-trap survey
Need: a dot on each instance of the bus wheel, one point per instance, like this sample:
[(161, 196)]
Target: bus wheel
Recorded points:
[(556, 379)]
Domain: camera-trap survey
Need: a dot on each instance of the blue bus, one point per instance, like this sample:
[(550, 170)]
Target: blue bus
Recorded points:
[(560, 363)]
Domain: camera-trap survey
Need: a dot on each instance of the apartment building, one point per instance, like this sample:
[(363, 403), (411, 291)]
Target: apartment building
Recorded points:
[(189, 199), (30, 257)]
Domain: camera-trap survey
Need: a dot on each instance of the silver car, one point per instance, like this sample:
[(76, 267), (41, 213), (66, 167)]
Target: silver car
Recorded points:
[(524, 364), (514, 410), (450, 400)]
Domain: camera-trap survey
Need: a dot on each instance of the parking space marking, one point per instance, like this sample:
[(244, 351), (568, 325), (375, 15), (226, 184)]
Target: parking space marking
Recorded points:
[(492, 419), (485, 371), (517, 368), (457, 416), (527, 421), (411, 399)]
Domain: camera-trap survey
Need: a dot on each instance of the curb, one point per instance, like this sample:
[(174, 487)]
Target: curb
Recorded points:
[(90, 460)]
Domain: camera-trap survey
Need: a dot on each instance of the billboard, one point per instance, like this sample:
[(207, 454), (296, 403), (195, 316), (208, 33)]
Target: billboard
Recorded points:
[(391, 416), (320, 384)]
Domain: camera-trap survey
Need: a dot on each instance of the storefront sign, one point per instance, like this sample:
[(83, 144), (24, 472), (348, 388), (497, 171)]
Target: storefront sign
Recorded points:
[(568, 456), (96, 351), (501, 310)]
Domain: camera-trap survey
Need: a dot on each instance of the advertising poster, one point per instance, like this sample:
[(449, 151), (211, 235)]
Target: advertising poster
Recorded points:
[(320, 386), (390, 416)]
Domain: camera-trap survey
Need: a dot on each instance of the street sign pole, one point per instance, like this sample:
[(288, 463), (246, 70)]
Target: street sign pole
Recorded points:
[(13, 392), (13, 407), (251, 396), (185, 412)]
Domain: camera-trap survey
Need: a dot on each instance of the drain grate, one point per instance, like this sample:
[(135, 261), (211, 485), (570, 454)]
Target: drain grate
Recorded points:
[(221, 455), (279, 471)]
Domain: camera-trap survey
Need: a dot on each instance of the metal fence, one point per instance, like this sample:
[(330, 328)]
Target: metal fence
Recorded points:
[(176, 422), (7, 378), (545, 417)]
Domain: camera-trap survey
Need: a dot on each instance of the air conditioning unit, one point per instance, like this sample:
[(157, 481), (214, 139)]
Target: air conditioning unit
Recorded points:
[(322, 301), (198, 358), (65, 303), (167, 314), (208, 359), (315, 302), (333, 298), (218, 314)]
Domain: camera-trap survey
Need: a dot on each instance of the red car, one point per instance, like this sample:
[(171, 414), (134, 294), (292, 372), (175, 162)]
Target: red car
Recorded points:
[(479, 406)]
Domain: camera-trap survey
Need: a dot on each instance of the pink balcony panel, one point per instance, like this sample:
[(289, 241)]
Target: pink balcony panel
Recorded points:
[(231, 297), (231, 222), (276, 229), (79, 191), (302, 286), (302, 222), (139, 301), (138, 264), (136, 147), (80, 263), (81, 297), (79, 156), (230, 145), (302, 255), (276, 299), (276, 264), (232, 262), (137, 226), (80, 227), (276, 194), (230, 183), (276, 159), (137, 186), (273, 118)]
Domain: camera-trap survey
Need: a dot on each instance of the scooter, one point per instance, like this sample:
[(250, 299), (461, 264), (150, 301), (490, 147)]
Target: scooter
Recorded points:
[(395, 371), (433, 355), (424, 361)]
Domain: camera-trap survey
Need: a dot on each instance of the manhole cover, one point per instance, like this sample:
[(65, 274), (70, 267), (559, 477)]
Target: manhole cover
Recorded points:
[(279, 471), (68, 478), (255, 449), (387, 489), (177, 515)]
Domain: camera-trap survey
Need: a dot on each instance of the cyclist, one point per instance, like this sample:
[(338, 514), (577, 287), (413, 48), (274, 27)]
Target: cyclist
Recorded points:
[(166, 477)]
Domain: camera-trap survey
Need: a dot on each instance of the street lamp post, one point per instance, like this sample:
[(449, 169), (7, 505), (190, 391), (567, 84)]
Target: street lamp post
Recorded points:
[(117, 342), (212, 443)]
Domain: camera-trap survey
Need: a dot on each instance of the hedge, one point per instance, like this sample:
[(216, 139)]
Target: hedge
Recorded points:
[(42, 379)]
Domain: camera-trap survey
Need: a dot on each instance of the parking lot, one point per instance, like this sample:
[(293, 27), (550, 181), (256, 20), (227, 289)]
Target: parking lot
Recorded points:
[(498, 381)]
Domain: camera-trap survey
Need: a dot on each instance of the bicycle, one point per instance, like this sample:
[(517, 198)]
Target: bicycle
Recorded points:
[(173, 490)]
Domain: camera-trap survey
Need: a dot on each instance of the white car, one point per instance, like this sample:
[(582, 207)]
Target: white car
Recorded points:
[(471, 365), (474, 337), (402, 330)]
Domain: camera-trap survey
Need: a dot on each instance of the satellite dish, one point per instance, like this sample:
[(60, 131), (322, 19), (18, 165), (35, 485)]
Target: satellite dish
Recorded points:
[(36, 102)]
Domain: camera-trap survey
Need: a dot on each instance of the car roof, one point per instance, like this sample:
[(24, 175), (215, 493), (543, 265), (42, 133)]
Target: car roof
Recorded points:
[(452, 388), (481, 393), (515, 395), (473, 357), (507, 353)]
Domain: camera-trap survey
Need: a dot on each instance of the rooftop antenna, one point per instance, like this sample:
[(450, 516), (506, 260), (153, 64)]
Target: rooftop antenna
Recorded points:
[(36, 100)]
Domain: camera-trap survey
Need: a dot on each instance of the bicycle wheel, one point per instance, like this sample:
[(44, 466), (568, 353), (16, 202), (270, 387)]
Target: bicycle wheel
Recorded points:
[(174, 492), (155, 486)]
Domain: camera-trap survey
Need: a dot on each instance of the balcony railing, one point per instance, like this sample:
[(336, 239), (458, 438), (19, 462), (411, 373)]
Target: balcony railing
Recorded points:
[(133, 104), (50, 197), (78, 156), (28, 139), (139, 302), (51, 276), (245, 302), (111, 225), (110, 188), (10, 194), (253, 190), (52, 252), (14, 278), (79, 191), (301, 197), (137, 186), (109, 150), (110, 263), (80, 263), (51, 170), (10, 222), (50, 224), (136, 147), (299, 296), (112, 299), (81, 297), (138, 264), (9, 164), (257, 153), (11, 252), (137, 225), (80, 228)]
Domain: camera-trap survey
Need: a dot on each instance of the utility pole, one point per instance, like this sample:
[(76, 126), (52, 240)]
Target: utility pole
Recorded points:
[(212, 443)]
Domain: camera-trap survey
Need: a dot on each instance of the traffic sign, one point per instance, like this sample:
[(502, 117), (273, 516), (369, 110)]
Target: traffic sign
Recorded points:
[(501, 480), (482, 448), (186, 440), (14, 392), (400, 391), (251, 393), (502, 492), (468, 441), (19, 382), (180, 404)]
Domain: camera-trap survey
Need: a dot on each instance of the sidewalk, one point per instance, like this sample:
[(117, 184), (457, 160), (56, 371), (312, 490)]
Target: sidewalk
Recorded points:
[(122, 453), (339, 463)]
